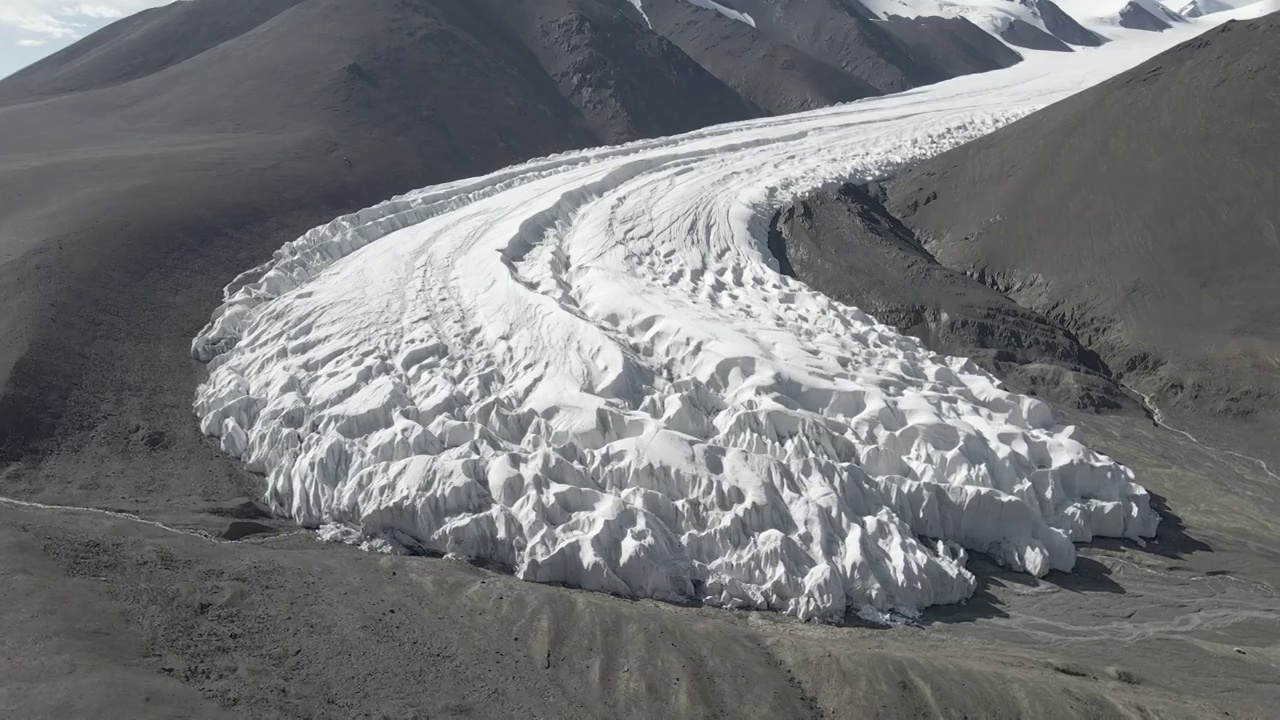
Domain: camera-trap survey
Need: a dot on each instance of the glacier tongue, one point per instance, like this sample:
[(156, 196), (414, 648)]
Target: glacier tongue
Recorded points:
[(586, 368)]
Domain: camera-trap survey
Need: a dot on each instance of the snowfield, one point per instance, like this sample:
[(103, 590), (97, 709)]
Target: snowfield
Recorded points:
[(994, 16), (588, 369)]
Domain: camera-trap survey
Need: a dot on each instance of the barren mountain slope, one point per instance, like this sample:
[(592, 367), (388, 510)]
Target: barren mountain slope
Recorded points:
[(1140, 213), (775, 76), (320, 109), (890, 55), (845, 244), (140, 45)]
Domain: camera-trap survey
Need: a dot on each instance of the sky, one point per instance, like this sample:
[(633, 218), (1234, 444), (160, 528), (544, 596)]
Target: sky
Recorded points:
[(33, 29)]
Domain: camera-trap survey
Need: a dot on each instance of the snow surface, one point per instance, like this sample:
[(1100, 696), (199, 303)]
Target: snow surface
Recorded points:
[(588, 369), (1103, 16), (1192, 9), (1099, 16), (1248, 12), (1159, 10), (994, 16), (1242, 9)]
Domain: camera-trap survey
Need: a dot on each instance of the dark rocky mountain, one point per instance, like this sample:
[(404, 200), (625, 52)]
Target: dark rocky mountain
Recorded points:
[(333, 61), (1136, 17), (1168, 13), (1060, 29), (890, 55), (1141, 214), (1151, 16), (1063, 26), (771, 74), (1123, 237), (806, 53), (294, 112), (214, 118), (624, 79), (1200, 8), (846, 244), (140, 45), (943, 48), (1191, 10), (1024, 34)]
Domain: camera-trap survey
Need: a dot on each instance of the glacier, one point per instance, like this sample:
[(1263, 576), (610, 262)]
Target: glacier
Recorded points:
[(587, 369)]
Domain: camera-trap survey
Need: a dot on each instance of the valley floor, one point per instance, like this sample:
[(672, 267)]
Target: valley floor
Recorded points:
[(109, 615)]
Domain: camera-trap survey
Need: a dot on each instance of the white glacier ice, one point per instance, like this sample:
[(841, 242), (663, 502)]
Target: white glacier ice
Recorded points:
[(587, 368), (1248, 12), (1103, 16), (994, 16)]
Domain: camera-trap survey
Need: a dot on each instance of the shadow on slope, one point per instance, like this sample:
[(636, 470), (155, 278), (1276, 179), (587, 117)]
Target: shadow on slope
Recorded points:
[(148, 165), (848, 246), (1140, 215)]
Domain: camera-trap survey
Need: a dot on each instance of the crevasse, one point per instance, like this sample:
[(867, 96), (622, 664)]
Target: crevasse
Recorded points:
[(587, 369)]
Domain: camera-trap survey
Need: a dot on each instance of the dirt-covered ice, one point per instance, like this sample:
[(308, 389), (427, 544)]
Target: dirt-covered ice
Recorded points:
[(588, 369)]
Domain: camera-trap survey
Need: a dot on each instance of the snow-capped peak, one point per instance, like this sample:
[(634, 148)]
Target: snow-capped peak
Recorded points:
[(994, 16), (1200, 8), (1159, 10)]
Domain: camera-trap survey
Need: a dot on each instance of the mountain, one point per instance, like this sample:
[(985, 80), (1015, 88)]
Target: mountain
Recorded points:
[(626, 81), (487, 374), (524, 51), (890, 55), (227, 126), (140, 45), (1023, 34), (771, 74), (1191, 10), (139, 175), (1034, 24), (1148, 15), (1153, 238), (844, 243), (219, 117), (1158, 9), (778, 55), (1136, 17), (1061, 25), (1200, 8)]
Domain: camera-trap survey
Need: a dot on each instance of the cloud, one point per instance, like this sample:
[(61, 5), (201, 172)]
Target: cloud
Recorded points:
[(41, 21), (94, 11)]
